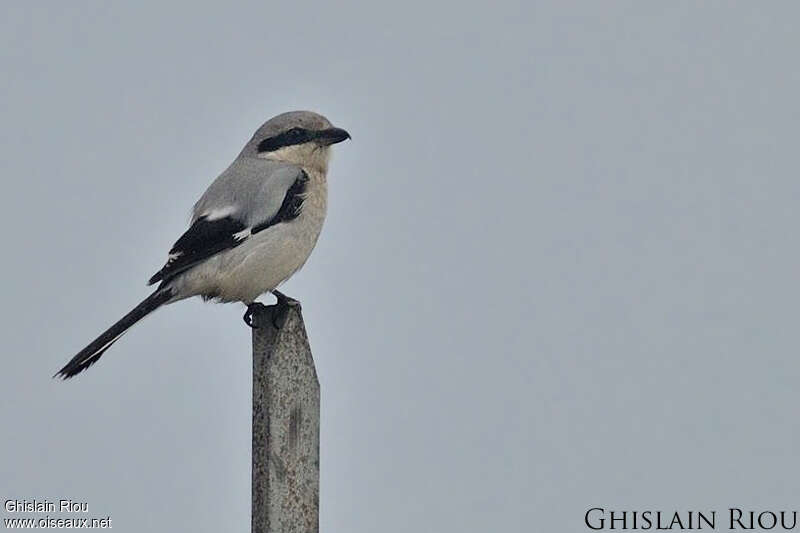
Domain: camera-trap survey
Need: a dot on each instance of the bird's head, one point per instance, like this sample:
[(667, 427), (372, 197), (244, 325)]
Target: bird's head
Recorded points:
[(298, 137)]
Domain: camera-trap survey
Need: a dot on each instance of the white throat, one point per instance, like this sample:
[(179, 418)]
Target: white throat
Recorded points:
[(307, 155)]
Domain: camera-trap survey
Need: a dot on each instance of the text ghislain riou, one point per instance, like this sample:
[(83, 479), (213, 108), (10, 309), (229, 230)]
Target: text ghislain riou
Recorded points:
[(45, 506), (733, 519)]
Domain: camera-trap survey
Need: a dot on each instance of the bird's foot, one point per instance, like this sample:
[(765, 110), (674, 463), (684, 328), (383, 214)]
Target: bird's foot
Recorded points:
[(252, 309), (279, 310)]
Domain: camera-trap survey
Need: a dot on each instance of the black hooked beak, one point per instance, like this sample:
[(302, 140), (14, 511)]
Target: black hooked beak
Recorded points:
[(331, 136)]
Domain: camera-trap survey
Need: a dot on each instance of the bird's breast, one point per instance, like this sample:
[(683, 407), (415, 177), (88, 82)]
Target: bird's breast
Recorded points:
[(267, 258)]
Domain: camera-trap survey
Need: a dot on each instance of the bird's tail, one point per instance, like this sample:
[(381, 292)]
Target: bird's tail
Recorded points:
[(89, 355)]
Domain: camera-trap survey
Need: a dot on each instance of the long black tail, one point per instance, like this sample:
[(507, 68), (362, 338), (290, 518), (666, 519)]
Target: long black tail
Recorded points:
[(89, 355)]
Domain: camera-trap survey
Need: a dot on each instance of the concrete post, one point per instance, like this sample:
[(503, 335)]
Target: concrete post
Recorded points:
[(285, 425)]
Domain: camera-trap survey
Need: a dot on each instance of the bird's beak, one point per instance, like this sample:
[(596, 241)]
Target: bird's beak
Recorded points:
[(331, 136)]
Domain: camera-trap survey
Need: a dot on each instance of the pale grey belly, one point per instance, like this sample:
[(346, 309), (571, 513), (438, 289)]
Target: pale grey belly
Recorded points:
[(256, 266)]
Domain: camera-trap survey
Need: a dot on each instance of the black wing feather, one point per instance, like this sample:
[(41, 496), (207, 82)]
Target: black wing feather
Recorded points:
[(209, 237), (291, 206), (202, 240)]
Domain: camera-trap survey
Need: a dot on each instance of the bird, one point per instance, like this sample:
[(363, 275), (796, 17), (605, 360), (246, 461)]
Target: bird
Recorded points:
[(254, 227)]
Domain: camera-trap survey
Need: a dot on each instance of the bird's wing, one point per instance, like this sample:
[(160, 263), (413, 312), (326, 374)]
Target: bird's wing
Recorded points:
[(239, 204)]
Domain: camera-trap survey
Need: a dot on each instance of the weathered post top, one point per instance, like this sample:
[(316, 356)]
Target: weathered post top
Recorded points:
[(285, 424)]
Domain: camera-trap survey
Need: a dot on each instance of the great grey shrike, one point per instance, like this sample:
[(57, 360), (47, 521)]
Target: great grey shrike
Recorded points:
[(251, 230)]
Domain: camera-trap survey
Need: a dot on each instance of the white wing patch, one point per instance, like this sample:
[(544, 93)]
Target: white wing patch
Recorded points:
[(172, 257), (220, 212)]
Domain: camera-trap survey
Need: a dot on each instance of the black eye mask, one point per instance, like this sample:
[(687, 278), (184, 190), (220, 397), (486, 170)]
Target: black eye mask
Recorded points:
[(287, 138)]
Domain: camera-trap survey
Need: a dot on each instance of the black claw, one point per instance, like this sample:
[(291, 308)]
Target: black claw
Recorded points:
[(251, 310), (278, 310)]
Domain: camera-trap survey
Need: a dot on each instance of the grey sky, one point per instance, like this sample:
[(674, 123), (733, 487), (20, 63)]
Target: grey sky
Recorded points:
[(559, 268)]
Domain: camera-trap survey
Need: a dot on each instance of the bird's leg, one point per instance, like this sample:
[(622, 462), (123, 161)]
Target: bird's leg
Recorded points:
[(251, 310), (284, 302)]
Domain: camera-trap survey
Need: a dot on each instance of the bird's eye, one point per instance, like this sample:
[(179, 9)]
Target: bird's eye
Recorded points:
[(286, 138)]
